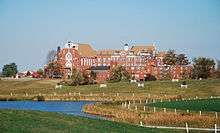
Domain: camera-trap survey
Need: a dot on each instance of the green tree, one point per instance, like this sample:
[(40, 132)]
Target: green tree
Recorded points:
[(203, 67), (119, 73), (9, 70), (170, 58), (182, 59)]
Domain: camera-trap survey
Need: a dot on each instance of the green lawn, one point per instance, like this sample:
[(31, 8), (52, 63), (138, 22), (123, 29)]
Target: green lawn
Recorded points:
[(14, 121), (202, 88), (196, 105)]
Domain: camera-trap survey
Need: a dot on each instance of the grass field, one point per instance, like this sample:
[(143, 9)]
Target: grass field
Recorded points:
[(196, 105), (202, 88), (28, 121), (14, 121)]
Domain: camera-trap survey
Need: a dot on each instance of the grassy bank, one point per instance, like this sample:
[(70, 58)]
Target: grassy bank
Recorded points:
[(196, 105), (14, 121)]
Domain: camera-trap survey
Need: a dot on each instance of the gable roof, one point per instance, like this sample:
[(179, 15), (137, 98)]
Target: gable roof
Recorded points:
[(106, 52), (143, 48), (86, 50)]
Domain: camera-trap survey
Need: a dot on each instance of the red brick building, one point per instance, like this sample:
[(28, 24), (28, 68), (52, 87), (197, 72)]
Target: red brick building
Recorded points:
[(139, 60)]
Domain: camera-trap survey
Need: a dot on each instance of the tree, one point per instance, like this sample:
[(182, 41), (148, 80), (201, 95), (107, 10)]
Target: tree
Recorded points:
[(40, 72), (203, 67), (218, 69), (9, 70), (93, 75), (51, 56), (186, 74), (119, 73), (182, 59), (170, 58), (76, 78), (53, 70)]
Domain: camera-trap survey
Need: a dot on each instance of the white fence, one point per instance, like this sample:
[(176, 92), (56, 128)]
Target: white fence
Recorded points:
[(187, 128)]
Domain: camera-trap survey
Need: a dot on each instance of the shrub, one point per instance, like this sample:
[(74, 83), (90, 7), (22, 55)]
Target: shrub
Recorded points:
[(40, 98), (184, 83), (150, 77)]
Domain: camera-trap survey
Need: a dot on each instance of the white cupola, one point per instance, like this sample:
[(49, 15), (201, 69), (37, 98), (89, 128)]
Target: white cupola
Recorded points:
[(126, 48), (71, 44)]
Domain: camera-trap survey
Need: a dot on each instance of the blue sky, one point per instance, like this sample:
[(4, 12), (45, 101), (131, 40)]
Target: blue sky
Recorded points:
[(30, 28)]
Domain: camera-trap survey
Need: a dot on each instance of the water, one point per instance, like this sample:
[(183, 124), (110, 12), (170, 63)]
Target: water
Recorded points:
[(72, 108)]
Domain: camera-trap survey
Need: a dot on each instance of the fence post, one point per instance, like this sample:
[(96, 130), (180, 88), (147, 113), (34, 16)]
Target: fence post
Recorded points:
[(136, 108), (144, 108), (216, 115), (153, 100), (74, 93), (165, 110), (79, 93), (200, 113), (175, 111), (154, 109), (125, 104), (128, 106), (133, 101), (90, 93), (133, 94), (129, 102), (141, 124), (117, 94), (187, 128), (103, 94), (146, 101), (161, 100), (140, 101), (215, 128), (187, 111)]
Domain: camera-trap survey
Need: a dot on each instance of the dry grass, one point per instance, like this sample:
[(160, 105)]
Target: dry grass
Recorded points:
[(158, 119)]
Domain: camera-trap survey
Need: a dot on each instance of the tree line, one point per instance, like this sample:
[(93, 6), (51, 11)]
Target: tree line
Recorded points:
[(202, 67)]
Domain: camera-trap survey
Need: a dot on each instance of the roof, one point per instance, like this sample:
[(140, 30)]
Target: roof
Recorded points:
[(86, 50), (143, 48), (106, 52)]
